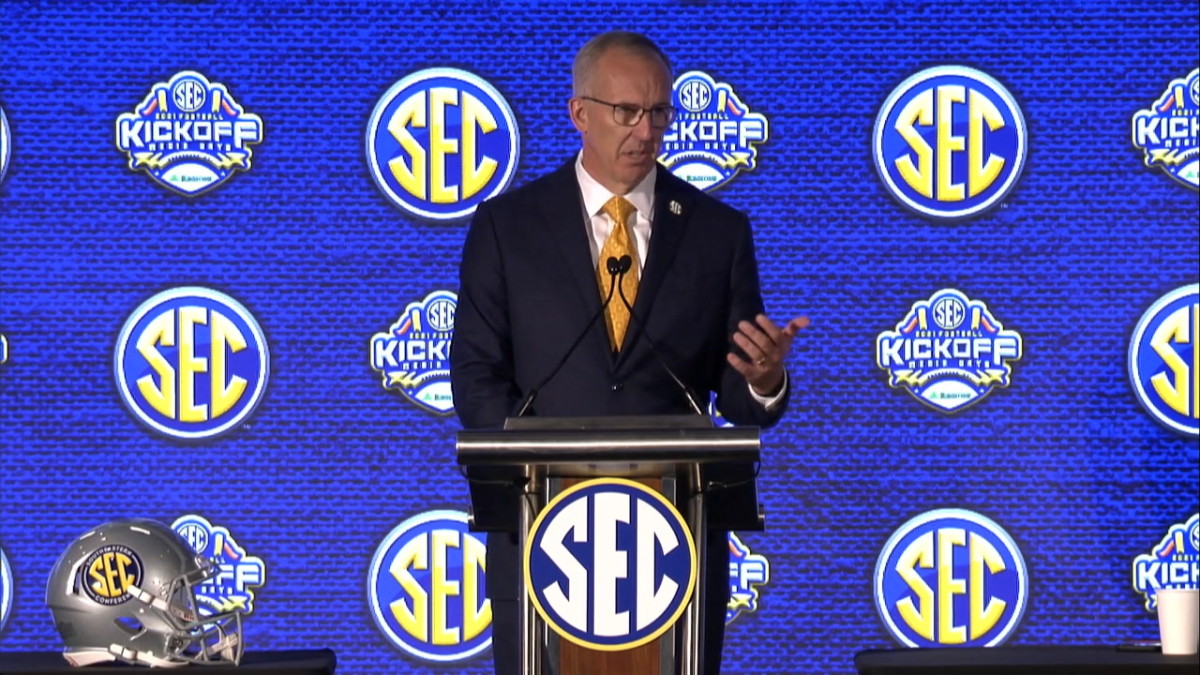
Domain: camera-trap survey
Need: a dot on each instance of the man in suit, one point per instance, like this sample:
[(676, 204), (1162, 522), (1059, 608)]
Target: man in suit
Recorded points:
[(537, 266)]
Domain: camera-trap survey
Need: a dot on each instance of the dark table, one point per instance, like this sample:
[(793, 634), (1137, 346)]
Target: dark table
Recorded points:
[(299, 662), (1090, 660)]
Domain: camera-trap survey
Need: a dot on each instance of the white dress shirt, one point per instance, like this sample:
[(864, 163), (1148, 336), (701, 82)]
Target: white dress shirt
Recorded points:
[(595, 196)]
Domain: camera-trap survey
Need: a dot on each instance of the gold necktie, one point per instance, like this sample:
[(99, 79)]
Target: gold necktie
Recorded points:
[(619, 243)]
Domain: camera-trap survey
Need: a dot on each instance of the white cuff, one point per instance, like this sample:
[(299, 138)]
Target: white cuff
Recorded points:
[(772, 402)]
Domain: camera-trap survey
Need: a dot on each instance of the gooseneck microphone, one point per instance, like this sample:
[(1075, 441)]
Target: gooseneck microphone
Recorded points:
[(615, 271), (623, 267)]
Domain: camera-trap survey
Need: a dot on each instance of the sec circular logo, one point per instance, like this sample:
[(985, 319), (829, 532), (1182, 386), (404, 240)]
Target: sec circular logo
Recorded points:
[(440, 142), (107, 574), (950, 142), (1164, 355), (191, 363), (5, 144), (6, 589), (610, 564), (951, 578), (426, 588)]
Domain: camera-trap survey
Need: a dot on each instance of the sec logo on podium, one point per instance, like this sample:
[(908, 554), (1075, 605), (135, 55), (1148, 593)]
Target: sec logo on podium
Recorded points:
[(610, 564)]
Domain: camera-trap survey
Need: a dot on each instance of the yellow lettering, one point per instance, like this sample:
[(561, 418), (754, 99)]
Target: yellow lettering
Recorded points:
[(414, 621), (981, 175), (983, 554), (225, 338), (476, 121), (190, 364), (919, 176), (949, 586), (160, 331), (411, 111), (440, 146), (947, 142), (918, 616), (443, 588), (477, 610), (1177, 328)]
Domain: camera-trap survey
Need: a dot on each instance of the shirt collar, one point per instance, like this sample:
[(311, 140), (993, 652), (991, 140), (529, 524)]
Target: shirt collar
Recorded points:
[(595, 195)]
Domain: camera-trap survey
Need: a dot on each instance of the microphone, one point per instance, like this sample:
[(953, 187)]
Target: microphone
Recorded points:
[(615, 270), (624, 265)]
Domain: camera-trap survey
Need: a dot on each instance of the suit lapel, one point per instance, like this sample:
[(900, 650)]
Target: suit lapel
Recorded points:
[(562, 210), (672, 209)]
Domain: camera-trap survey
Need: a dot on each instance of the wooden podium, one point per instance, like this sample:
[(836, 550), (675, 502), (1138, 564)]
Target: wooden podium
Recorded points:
[(709, 474)]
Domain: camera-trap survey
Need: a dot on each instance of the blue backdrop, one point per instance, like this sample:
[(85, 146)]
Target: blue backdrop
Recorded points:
[(1064, 459)]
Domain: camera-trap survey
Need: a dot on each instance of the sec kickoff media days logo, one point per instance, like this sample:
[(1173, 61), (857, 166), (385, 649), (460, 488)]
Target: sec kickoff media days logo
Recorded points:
[(413, 356), (189, 134), (238, 574), (440, 142), (950, 142), (747, 572), (1164, 360), (714, 134), (1167, 134), (951, 578), (610, 564), (1173, 563), (948, 352), (191, 363), (426, 588)]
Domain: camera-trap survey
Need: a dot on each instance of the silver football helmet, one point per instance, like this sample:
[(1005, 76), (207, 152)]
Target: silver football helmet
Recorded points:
[(124, 591)]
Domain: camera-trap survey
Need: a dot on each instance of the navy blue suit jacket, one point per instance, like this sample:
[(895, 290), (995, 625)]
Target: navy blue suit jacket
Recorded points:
[(529, 287)]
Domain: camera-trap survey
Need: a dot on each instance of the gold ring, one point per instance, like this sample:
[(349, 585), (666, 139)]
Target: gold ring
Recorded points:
[(761, 362)]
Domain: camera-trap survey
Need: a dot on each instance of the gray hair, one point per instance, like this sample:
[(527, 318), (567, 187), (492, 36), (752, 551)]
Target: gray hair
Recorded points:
[(589, 55)]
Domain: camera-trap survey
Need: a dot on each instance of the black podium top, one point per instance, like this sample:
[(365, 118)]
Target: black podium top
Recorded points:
[(299, 662), (1091, 660)]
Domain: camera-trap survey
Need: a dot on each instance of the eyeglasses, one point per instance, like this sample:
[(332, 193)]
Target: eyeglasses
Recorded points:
[(629, 115)]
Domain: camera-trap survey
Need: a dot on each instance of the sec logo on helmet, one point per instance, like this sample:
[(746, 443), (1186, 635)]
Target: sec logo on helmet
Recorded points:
[(440, 142), (610, 564), (426, 588), (1164, 360), (191, 363), (951, 578), (950, 142)]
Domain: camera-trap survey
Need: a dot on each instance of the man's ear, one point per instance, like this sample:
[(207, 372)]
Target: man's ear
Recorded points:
[(578, 114)]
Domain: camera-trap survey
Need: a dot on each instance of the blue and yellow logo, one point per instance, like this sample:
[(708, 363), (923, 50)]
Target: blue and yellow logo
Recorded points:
[(714, 135), (1164, 360), (747, 572), (1166, 132), (610, 564), (238, 574), (440, 142), (414, 355), (951, 578), (6, 589), (108, 573), (948, 352), (950, 142), (191, 363), (1174, 563), (426, 588), (189, 134), (5, 144)]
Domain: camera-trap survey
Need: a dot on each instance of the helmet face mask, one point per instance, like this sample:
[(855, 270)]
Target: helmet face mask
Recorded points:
[(125, 591)]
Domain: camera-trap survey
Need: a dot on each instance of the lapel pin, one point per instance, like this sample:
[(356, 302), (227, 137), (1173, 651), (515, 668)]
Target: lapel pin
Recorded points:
[(675, 207)]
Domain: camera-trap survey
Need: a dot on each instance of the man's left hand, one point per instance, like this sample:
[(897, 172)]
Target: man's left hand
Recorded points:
[(766, 346)]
